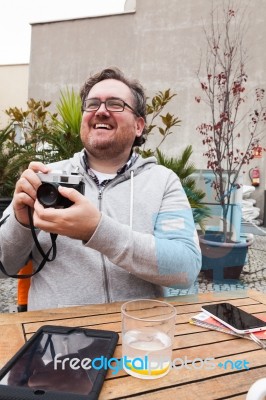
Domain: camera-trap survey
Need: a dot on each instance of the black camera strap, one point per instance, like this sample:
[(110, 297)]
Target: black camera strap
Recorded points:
[(41, 251), (36, 241)]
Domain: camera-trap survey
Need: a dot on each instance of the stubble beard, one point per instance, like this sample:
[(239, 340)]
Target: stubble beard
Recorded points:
[(107, 148)]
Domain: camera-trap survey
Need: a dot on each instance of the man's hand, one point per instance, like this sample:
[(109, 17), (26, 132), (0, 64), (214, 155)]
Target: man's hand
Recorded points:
[(78, 221), (25, 191)]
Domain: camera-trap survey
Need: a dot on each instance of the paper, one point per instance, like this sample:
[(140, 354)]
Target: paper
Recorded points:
[(206, 321)]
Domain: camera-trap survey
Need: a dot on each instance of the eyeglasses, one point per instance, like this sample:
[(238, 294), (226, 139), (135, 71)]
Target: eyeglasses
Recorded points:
[(113, 105)]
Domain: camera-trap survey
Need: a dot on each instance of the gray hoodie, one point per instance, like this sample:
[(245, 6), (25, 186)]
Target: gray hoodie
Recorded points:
[(146, 239)]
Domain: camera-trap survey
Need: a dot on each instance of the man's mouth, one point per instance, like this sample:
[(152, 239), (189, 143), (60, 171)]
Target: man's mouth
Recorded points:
[(102, 126)]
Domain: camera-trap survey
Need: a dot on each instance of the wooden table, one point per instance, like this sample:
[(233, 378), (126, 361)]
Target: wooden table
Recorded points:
[(190, 341)]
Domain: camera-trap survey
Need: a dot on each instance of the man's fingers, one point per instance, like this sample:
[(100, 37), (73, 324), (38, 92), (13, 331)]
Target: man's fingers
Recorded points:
[(23, 199), (70, 193), (29, 181), (23, 185), (38, 166)]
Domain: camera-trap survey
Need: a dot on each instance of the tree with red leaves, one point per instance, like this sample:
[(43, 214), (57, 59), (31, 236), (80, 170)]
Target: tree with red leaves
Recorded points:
[(232, 121)]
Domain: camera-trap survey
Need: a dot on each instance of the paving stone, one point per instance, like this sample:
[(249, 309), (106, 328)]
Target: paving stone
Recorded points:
[(8, 295)]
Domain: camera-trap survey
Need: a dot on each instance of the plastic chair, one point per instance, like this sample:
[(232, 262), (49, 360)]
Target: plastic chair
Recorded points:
[(23, 287)]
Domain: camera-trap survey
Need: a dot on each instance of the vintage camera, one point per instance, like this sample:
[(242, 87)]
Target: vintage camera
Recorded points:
[(48, 194)]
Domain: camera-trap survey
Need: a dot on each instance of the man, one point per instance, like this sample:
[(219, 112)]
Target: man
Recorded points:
[(129, 234)]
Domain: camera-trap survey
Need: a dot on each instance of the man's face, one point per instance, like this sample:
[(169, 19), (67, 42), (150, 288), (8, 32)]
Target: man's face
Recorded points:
[(106, 134)]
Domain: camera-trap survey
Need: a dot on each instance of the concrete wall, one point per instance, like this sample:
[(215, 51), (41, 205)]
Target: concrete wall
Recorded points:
[(14, 80), (160, 44)]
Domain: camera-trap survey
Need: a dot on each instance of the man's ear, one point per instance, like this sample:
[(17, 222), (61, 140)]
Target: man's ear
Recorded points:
[(140, 124)]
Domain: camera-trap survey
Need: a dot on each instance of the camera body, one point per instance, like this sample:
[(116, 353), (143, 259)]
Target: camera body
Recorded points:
[(48, 194)]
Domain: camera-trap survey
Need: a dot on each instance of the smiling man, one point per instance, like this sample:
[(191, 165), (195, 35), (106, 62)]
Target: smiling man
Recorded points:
[(109, 125), (132, 231)]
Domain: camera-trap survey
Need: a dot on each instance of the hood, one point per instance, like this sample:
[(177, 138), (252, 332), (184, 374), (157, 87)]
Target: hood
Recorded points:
[(140, 164)]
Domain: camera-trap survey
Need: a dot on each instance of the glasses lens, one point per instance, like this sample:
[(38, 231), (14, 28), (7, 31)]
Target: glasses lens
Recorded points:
[(92, 104), (114, 105)]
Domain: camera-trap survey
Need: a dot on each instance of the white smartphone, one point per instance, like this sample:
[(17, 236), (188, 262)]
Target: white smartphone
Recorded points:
[(234, 318)]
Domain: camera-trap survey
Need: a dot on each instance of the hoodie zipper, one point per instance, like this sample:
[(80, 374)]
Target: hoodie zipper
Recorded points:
[(100, 195), (106, 285)]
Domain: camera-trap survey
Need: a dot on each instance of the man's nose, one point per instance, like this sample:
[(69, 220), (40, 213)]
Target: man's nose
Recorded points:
[(102, 110)]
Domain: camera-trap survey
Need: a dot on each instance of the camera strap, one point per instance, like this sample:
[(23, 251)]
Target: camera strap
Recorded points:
[(41, 251), (37, 243)]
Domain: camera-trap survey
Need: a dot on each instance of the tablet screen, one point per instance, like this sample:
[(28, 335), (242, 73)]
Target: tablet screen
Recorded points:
[(60, 362)]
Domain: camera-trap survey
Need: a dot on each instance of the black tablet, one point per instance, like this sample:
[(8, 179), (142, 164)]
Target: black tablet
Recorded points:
[(59, 363)]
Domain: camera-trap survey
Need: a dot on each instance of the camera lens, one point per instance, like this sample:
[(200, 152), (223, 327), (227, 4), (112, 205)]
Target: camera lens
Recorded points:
[(48, 195)]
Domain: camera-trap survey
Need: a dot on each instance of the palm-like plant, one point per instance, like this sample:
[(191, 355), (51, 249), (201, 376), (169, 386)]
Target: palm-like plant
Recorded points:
[(183, 168), (64, 137)]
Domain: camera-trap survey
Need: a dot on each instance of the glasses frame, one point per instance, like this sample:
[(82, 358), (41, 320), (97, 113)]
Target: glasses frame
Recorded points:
[(123, 105)]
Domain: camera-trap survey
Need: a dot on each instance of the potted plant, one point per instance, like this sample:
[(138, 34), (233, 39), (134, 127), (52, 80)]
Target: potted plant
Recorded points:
[(230, 134)]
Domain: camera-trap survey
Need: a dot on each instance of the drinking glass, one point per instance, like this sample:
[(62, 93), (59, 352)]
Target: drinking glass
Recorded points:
[(147, 337)]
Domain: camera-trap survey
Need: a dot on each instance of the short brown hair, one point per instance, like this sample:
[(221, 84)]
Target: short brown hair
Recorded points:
[(135, 87)]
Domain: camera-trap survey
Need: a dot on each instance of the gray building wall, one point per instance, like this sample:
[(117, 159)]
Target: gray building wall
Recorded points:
[(160, 44)]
